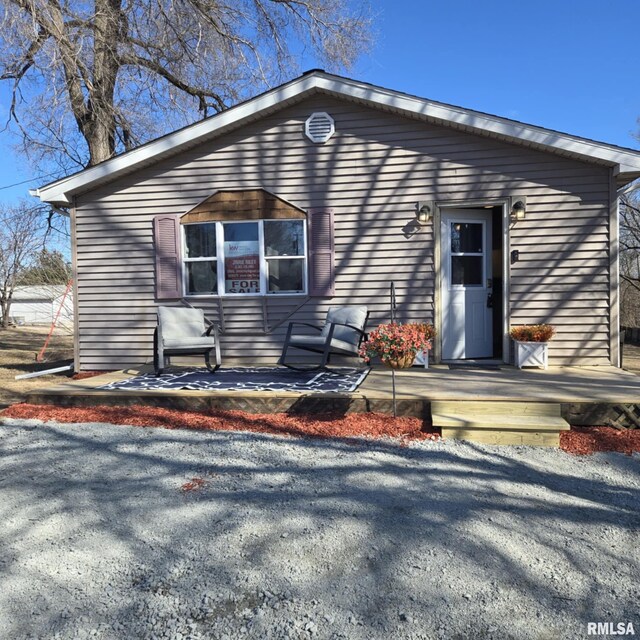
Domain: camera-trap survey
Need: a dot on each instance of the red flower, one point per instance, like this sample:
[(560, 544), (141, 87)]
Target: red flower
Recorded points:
[(391, 341), (532, 332)]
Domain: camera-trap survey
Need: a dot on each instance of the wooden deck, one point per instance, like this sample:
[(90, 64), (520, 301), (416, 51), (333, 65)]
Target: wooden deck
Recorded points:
[(587, 395)]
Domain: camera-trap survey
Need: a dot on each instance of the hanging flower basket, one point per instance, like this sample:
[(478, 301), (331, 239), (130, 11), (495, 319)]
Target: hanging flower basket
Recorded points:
[(397, 344), (401, 362)]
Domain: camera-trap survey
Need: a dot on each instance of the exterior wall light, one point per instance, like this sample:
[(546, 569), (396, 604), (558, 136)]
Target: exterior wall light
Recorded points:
[(424, 212), (519, 209)]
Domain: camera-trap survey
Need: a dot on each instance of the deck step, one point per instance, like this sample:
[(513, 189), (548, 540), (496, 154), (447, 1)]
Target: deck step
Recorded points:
[(482, 407), (534, 423)]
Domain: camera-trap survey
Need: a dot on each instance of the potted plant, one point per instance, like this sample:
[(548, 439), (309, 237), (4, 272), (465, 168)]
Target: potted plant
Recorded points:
[(532, 344), (397, 344)]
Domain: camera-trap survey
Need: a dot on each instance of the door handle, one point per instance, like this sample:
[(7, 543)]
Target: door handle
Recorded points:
[(490, 301)]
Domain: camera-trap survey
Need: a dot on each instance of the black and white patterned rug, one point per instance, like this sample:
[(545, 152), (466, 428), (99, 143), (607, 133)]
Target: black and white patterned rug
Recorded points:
[(247, 379)]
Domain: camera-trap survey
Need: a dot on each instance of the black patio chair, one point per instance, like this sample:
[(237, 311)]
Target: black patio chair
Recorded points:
[(183, 331), (342, 334)]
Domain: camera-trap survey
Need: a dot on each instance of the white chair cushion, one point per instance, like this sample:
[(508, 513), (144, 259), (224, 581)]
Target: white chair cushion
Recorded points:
[(177, 323), (354, 316), (189, 343)]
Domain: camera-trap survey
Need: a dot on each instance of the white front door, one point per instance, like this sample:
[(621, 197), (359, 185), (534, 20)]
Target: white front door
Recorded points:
[(467, 330)]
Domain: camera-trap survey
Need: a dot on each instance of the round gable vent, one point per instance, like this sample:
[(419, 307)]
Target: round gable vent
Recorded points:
[(319, 127)]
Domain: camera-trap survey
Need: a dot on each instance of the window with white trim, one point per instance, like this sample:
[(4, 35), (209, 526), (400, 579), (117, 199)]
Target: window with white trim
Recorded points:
[(263, 257)]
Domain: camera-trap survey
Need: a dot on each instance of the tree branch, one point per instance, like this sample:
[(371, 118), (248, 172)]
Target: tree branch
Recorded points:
[(197, 92)]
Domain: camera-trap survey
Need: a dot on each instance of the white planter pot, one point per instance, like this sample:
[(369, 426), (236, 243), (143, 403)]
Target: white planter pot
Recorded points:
[(531, 354), (422, 359)]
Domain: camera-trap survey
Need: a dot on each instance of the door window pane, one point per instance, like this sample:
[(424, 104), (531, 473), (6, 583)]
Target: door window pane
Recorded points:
[(202, 276), (466, 237), (283, 238), (466, 270), (200, 240), (241, 258), (285, 275)]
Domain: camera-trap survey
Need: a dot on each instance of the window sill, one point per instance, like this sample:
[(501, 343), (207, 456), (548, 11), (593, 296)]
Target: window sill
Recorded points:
[(243, 296)]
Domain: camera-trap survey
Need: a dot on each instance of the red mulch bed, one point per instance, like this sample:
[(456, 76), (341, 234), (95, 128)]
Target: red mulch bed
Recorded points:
[(578, 441), (583, 441), (374, 425), (88, 374)]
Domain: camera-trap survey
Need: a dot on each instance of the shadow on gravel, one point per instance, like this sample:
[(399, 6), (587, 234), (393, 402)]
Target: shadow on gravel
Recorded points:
[(438, 531)]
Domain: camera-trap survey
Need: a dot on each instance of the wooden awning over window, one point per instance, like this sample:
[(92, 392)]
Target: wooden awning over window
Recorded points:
[(252, 204)]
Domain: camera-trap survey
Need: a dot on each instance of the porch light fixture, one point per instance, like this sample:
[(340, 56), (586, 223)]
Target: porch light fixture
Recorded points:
[(424, 212), (519, 209)]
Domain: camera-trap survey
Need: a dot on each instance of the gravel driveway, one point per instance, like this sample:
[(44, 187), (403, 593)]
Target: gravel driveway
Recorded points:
[(292, 538)]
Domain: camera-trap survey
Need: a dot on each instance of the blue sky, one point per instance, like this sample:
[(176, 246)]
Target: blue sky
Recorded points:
[(569, 65)]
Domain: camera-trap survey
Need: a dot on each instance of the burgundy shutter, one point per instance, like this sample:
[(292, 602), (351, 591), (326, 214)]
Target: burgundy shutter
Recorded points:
[(166, 236), (321, 253)]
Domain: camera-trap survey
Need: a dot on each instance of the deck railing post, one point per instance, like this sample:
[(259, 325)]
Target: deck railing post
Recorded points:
[(393, 392)]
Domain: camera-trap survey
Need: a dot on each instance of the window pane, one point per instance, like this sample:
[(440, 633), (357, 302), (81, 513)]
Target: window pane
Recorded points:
[(285, 275), (200, 240), (201, 277), (283, 238), (241, 232), (241, 258), (466, 237), (466, 270)]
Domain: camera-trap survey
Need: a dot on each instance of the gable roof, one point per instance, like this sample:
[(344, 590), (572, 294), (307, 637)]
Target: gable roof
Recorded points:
[(626, 162)]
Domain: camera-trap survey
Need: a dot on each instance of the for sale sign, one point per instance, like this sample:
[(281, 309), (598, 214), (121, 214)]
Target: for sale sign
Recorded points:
[(242, 267)]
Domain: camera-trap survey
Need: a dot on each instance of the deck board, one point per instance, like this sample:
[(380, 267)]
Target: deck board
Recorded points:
[(556, 384), (560, 384)]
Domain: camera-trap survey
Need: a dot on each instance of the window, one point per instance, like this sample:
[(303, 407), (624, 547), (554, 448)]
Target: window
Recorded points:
[(284, 255), (241, 257), (245, 258), (201, 265), (467, 257)]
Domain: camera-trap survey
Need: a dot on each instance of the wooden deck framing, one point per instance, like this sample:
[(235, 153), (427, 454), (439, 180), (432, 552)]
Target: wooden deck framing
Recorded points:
[(586, 395)]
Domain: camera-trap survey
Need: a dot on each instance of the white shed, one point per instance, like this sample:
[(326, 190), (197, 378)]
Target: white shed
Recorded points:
[(40, 304)]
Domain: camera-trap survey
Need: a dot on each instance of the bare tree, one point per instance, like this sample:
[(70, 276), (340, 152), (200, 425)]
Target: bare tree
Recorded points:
[(90, 79), (630, 258), (22, 232)]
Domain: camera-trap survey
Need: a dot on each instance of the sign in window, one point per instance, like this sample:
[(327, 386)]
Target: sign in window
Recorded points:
[(241, 257)]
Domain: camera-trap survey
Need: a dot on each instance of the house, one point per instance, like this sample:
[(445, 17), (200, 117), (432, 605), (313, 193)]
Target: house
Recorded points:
[(324, 190), (39, 305)]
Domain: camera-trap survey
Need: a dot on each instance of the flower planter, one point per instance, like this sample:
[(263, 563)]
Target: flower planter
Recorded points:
[(401, 362), (422, 359), (531, 354), (397, 344)]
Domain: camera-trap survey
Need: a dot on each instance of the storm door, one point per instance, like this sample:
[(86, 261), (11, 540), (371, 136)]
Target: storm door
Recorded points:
[(467, 330)]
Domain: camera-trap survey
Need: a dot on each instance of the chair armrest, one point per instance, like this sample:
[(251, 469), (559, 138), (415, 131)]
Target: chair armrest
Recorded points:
[(212, 327), (350, 326), (363, 336), (306, 324)]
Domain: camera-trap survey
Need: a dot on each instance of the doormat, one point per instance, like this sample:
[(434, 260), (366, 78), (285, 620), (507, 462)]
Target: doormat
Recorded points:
[(476, 367), (343, 380)]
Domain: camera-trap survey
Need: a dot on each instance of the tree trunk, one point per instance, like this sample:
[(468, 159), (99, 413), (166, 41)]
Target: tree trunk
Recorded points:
[(99, 126), (5, 306)]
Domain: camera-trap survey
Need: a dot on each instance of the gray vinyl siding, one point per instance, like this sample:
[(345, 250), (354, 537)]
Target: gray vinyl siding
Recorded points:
[(372, 172)]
